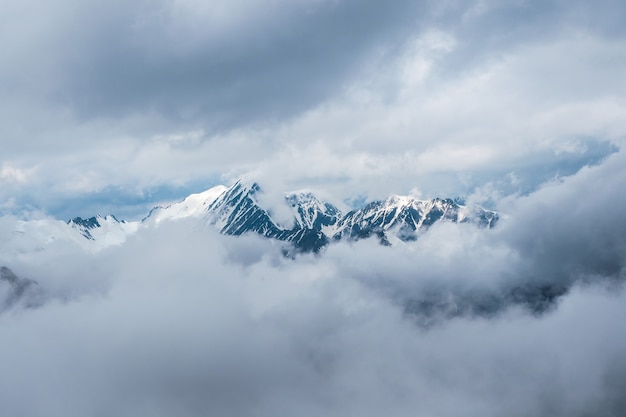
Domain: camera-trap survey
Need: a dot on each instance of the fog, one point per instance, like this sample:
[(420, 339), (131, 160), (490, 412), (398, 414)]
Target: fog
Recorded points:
[(183, 321)]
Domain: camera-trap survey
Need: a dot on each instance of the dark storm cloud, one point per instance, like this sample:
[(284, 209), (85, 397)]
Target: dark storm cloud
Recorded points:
[(190, 61), (235, 64)]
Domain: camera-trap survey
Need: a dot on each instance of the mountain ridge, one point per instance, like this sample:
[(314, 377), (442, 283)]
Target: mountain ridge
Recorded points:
[(236, 210)]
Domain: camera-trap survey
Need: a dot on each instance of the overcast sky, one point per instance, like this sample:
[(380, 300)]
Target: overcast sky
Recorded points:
[(111, 107)]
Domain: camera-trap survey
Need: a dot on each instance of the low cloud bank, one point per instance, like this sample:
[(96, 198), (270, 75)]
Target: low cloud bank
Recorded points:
[(181, 321)]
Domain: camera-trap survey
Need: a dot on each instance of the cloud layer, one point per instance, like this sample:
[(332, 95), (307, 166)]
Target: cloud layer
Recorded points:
[(180, 320)]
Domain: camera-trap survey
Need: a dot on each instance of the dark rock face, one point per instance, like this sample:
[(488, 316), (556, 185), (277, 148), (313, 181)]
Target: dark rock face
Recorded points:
[(84, 225), (237, 212)]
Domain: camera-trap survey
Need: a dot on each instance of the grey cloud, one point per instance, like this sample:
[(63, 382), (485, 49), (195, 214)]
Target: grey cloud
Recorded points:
[(188, 63), (179, 60)]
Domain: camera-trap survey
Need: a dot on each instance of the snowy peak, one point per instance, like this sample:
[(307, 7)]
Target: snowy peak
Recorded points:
[(236, 210), (195, 205), (405, 216), (91, 234), (311, 213), (86, 226), (105, 230)]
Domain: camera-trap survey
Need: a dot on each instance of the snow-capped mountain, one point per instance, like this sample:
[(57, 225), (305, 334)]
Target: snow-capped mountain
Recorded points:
[(404, 216), (237, 210), (316, 223), (91, 235), (311, 213), (106, 230)]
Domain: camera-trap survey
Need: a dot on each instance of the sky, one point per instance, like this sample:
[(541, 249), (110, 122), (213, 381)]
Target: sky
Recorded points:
[(115, 107)]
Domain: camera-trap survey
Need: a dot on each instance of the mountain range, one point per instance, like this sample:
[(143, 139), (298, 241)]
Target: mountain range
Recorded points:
[(236, 210)]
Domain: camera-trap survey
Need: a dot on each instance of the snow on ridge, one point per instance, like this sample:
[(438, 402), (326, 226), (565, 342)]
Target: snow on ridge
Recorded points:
[(306, 208), (111, 232), (195, 205)]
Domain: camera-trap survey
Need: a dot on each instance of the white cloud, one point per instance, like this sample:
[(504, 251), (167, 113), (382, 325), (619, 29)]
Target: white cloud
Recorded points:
[(15, 175)]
